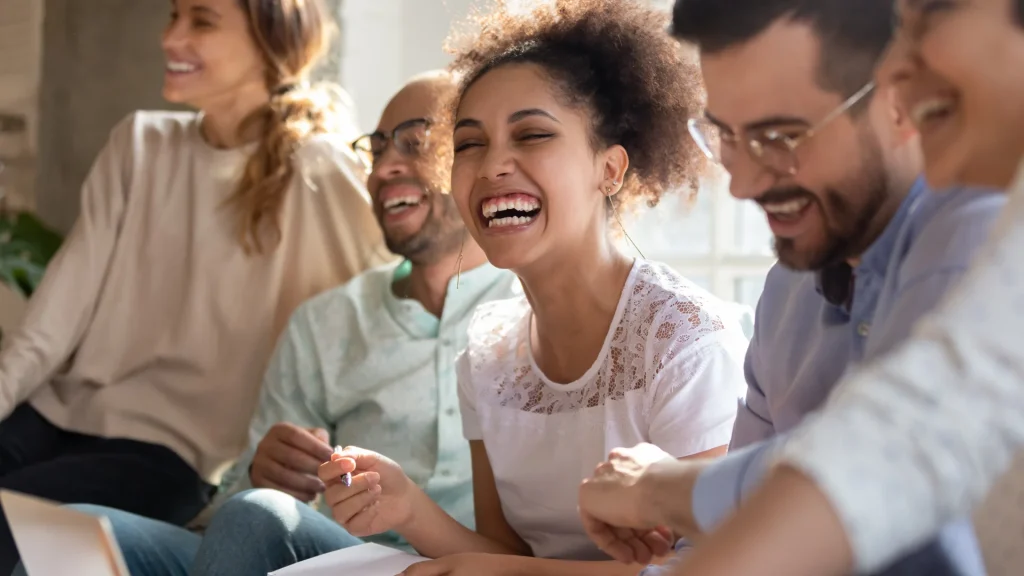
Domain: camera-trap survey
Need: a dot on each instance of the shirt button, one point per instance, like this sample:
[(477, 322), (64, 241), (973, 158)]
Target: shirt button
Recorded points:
[(863, 328), (445, 473), (450, 411)]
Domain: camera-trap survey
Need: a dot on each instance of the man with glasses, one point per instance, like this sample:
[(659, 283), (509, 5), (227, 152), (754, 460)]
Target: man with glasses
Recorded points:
[(370, 363), (864, 249)]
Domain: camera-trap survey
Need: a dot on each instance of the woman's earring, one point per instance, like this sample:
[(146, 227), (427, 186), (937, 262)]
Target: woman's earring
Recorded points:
[(615, 212)]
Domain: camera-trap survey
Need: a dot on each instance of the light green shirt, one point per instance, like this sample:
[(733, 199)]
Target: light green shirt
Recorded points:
[(378, 372)]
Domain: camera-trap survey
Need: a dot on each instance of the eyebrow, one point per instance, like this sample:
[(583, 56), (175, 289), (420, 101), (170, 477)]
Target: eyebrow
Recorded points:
[(205, 10), (769, 122), (512, 118)]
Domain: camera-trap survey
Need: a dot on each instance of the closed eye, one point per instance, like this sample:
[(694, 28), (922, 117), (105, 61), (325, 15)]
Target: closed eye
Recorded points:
[(466, 146)]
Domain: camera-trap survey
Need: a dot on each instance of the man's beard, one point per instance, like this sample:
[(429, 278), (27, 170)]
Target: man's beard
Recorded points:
[(849, 227), (442, 232)]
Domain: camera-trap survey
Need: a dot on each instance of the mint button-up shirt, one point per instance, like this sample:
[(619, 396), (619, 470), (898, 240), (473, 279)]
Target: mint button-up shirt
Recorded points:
[(378, 372)]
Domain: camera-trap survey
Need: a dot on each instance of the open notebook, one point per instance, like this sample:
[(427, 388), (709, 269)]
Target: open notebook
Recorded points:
[(85, 543), (365, 560)]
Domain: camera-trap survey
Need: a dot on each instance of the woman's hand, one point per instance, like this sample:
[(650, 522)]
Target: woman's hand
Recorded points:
[(379, 498), (463, 565)]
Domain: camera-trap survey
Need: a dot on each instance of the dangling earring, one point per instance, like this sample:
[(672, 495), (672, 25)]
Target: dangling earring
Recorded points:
[(615, 212), (458, 261)]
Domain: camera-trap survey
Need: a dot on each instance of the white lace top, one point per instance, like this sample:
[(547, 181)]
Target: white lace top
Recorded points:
[(670, 373)]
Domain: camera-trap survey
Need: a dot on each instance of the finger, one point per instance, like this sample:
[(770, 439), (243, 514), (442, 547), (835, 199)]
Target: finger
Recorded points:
[(306, 441), (349, 460), (348, 508), (657, 543), (641, 554), (605, 538), (331, 472), (290, 479), (293, 458), (321, 434), (428, 568), (337, 492)]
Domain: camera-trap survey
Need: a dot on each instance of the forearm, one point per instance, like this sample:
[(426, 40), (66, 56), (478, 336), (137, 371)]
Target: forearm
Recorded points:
[(787, 528), (523, 566), (434, 534), (670, 492)]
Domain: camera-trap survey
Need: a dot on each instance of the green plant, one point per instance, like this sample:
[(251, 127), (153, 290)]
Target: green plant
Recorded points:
[(26, 247)]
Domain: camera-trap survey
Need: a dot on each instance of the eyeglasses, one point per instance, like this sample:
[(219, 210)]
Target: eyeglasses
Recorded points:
[(409, 138), (772, 147)]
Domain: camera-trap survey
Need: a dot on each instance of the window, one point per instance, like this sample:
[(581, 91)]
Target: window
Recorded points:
[(716, 241)]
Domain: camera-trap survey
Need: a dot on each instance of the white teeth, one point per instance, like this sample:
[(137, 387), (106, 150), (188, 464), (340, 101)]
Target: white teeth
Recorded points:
[(509, 221), (929, 109), (785, 208), (181, 67), (495, 205), (398, 201)]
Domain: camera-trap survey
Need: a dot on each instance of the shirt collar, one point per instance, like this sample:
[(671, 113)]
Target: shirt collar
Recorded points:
[(834, 282), (464, 290)]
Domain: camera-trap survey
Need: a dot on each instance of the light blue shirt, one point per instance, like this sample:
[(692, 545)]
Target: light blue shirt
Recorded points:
[(810, 329), (378, 372)]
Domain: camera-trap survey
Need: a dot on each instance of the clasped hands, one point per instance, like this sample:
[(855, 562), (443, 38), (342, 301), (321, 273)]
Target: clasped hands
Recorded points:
[(632, 504)]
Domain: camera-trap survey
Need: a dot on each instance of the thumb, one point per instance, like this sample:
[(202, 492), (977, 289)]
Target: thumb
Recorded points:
[(363, 459)]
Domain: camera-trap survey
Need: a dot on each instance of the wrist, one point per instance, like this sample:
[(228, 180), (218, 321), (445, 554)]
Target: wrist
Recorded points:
[(669, 496), (419, 507)]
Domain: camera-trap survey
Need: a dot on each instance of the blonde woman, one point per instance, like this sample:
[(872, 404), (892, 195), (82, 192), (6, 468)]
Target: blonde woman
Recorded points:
[(133, 378)]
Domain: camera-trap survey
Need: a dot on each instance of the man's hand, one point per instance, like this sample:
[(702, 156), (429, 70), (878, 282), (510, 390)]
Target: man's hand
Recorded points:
[(622, 508), (287, 459)]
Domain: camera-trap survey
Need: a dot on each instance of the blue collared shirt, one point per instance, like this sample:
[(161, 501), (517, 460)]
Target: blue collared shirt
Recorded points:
[(803, 343)]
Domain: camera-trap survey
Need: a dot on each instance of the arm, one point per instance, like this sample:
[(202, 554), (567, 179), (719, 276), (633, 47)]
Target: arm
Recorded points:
[(61, 309), (917, 446), (436, 534)]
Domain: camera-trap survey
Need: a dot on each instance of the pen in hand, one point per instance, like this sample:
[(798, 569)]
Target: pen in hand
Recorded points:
[(346, 478)]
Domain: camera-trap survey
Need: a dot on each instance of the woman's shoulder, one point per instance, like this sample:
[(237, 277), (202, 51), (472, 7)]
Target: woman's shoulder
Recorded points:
[(672, 310), (496, 325)]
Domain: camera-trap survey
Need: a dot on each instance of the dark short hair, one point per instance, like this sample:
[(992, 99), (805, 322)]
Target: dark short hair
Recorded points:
[(853, 33)]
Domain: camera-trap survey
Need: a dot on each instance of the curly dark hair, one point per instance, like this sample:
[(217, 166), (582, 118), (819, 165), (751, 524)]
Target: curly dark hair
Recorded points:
[(615, 58)]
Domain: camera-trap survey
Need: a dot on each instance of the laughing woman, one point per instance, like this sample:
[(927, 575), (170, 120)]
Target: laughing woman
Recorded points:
[(133, 378), (564, 117)]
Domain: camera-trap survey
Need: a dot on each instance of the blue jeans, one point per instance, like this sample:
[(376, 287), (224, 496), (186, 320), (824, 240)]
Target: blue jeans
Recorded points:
[(253, 533)]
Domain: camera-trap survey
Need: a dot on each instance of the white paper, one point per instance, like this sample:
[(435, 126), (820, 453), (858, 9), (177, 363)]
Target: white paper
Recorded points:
[(364, 560)]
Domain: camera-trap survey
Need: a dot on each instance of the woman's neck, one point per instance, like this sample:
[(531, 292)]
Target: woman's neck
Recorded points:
[(574, 303), (223, 120)]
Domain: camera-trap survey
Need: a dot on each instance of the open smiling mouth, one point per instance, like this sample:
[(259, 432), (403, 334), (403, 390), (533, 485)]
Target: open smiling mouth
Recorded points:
[(400, 204), (510, 210)]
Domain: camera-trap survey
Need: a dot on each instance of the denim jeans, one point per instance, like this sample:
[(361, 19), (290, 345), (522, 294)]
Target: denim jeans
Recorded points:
[(43, 460), (253, 533)]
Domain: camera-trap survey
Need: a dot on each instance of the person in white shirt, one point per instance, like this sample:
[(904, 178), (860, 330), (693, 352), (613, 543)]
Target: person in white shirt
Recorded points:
[(563, 118), (918, 438)]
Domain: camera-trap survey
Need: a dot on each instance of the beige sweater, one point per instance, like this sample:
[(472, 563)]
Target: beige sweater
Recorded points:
[(152, 323)]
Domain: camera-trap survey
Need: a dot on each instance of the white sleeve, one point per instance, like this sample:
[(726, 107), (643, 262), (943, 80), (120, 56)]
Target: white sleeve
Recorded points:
[(917, 439), (693, 405), (467, 398)]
